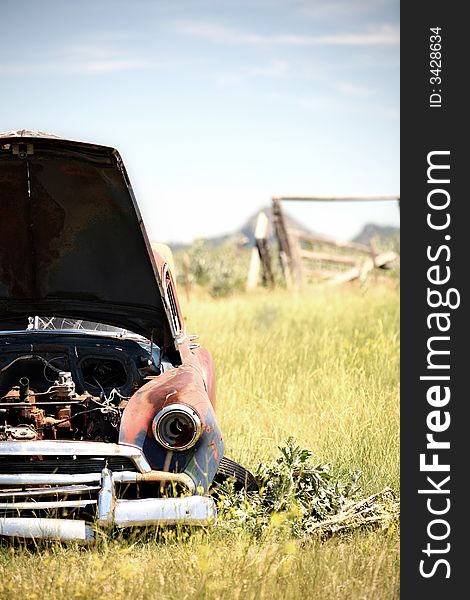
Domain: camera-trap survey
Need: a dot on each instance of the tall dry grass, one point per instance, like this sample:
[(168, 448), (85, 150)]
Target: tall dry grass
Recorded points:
[(322, 366)]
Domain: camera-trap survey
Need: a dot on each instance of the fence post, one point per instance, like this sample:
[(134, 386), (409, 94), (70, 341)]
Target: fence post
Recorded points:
[(261, 240), (253, 270), (285, 256), (260, 256)]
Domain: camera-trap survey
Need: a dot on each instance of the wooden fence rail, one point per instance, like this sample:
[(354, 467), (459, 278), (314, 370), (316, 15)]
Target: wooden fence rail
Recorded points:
[(298, 262)]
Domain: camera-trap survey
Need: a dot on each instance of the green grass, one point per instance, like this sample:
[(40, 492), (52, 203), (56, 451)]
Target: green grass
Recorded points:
[(322, 367)]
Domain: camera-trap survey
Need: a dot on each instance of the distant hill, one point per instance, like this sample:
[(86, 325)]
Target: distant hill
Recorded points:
[(385, 234), (247, 231)]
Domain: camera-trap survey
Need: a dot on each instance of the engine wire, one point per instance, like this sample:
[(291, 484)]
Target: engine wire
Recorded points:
[(29, 357)]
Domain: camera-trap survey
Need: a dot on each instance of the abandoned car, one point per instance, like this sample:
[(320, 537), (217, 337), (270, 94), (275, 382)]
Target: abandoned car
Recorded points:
[(106, 403)]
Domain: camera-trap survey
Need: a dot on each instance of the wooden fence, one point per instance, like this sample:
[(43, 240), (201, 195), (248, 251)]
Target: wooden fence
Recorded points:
[(306, 258)]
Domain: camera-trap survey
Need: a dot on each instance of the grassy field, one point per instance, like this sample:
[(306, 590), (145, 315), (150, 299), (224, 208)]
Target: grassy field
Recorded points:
[(322, 367)]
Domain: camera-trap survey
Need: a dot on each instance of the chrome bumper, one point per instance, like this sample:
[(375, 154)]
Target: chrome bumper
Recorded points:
[(190, 510), (47, 529), (110, 511)]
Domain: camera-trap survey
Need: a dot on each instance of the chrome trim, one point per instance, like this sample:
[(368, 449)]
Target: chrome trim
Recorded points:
[(106, 499), (155, 476), (81, 478), (188, 510), (192, 510), (141, 462), (46, 479), (56, 529), (66, 447), (53, 491), (173, 316), (45, 505), (71, 448), (177, 407)]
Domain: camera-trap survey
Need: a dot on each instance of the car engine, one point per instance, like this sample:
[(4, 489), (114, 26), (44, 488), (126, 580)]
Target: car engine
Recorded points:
[(72, 391), (59, 412)]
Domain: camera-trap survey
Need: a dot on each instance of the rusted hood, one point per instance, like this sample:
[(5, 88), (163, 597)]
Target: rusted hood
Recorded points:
[(72, 241)]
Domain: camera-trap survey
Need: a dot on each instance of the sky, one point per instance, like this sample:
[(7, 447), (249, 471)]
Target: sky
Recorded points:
[(216, 106)]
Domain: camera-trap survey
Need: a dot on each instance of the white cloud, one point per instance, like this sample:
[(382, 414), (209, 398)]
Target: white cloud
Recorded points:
[(317, 103), (390, 113), (84, 59), (335, 8), (275, 69), (353, 90), (215, 32), (323, 104)]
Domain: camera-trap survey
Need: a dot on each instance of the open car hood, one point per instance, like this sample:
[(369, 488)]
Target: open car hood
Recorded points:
[(72, 241)]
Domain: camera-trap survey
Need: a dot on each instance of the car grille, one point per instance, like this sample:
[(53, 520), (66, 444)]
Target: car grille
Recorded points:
[(56, 501), (64, 464)]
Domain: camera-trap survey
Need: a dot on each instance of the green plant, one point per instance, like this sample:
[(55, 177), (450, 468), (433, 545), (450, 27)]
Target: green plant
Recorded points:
[(297, 497)]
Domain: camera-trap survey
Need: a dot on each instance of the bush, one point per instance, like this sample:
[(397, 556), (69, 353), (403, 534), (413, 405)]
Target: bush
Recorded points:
[(298, 498), (220, 269)]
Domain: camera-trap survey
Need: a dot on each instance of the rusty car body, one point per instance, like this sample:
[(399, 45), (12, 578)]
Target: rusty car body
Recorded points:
[(106, 403)]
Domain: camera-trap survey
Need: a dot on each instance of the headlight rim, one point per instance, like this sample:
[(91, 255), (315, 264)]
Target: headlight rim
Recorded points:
[(177, 407)]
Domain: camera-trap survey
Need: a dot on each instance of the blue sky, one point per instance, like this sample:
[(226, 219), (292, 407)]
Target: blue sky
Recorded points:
[(216, 106)]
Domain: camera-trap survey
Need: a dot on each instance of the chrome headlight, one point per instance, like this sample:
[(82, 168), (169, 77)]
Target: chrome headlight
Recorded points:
[(177, 427)]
